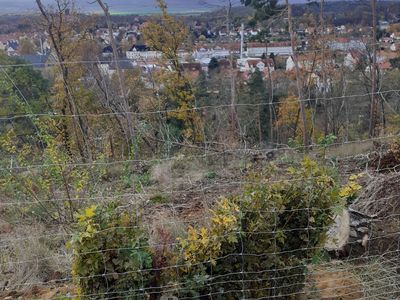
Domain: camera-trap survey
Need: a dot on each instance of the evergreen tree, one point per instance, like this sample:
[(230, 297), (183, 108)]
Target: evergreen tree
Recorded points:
[(256, 86), (213, 64), (253, 115), (23, 91), (201, 93)]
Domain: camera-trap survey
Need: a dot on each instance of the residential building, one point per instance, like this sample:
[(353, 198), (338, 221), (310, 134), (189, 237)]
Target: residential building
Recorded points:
[(395, 47), (107, 51), (110, 69), (352, 58), (219, 51), (395, 35), (345, 44), (251, 64), (383, 25), (142, 52), (260, 49), (193, 70)]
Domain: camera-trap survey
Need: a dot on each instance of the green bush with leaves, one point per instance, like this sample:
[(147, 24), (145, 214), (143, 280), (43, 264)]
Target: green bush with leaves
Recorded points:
[(111, 254), (324, 142), (55, 175), (258, 243)]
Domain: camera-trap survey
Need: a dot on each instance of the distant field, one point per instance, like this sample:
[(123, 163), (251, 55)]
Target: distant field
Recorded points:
[(122, 6)]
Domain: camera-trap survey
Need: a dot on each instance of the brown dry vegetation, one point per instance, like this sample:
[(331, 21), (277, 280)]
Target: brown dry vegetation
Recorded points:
[(181, 194), (325, 283)]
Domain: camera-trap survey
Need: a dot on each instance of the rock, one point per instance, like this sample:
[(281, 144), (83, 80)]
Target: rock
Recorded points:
[(338, 234)]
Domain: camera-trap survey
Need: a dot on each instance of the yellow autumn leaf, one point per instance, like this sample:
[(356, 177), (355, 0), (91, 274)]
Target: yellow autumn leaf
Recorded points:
[(89, 212), (353, 177)]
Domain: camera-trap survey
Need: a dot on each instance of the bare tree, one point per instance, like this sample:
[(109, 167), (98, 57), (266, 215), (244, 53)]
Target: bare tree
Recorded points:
[(124, 105), (233, 114), (299, 83), (374, 122), (323, 73), (57, 28)]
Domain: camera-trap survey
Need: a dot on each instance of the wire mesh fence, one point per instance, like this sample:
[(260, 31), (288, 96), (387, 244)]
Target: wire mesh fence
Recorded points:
[(166, 217)]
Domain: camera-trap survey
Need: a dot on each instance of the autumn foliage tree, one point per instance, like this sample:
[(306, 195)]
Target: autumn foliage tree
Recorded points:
[(168, 35), (62, 23), (288, 122)]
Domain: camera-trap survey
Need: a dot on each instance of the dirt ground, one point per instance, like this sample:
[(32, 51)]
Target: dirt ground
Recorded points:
[(333, 285), (42, 293), (183, 194)]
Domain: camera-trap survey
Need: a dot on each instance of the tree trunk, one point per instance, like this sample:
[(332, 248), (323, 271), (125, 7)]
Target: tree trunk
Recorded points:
[(125, 105), (270, 97), (233, 116), (323, 73), (78, 122), (373, 122), (298, 77), (259, 125)]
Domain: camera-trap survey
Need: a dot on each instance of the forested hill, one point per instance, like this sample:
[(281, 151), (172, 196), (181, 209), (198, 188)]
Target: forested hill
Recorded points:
[(342, 12), (337, 12), (351, 12)]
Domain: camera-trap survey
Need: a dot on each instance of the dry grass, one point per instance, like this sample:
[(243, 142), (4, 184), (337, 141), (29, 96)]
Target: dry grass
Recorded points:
[(178, 172), (375, 279), (27, 259), (331, 284), (380, 279), (350, 149)]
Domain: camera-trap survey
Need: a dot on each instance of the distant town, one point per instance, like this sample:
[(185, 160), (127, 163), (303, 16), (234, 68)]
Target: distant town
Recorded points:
[(250, 46), (249, 152)]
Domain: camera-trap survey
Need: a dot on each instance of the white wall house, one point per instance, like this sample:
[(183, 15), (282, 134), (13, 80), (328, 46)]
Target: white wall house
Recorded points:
[(258, 49), (395, 35), (347, 45), (183, 55), (109, 69), (384, 25), (135, 54), (251, 65), (217, 52), (395, 47), (309, 64), (351, 60)]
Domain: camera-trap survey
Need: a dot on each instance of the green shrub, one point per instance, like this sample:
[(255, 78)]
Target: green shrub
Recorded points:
[(258, 243), (324, 143), (130, 178), (141, 181), (59, 176), (210, 175), (110, 254)]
